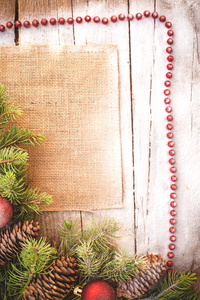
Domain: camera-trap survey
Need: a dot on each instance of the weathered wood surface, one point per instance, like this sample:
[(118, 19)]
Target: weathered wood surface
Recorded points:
[(142, 62)]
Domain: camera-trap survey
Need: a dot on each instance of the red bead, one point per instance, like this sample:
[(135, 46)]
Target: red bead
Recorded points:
[(168, 24), (2, 28), (173, 204), (170, 135), (105, 21), (167, 83), (169, 49), (61, 21), (171, 144), (18, 23), (169, 126), (53, 21), (169, 118), (26, 24), (121, 17), (130, 17), (170, 41), (173, 213), (87, 18), (173, 195), (170, 32), (9, 24), (114, 19), (79, 20), (44, 22), (172, 161), (169, 75), (154, 15), (167, 92), (172, 229), (170, 255), (146, 13), (167, 100), (172, 246), (96, 19), (162, 18), (172, 153), (170, 58), (169, 66), (35, 23), (170, 263), (138, 16), (70, 21), (172, 221), (173, 178), (172, 238), (173, 169), (174, 187), (168, 109)]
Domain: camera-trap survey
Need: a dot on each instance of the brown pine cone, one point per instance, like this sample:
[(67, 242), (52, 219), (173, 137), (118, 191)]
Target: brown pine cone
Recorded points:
[(56, 283), (12, 240), (146, 280)]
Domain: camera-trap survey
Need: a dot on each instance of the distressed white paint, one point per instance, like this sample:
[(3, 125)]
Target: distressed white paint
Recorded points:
[(145, 217)]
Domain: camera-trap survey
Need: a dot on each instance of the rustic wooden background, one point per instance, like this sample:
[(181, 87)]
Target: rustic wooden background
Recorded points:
[(142, 63)]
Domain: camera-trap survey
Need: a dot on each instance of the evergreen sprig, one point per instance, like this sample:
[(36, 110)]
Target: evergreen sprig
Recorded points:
[(34, 258), (122, 266), (178, 286), (8, 112)]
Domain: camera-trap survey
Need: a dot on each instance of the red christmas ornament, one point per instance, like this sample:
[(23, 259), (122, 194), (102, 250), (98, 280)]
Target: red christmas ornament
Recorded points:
[(6, 211), (97, 290)]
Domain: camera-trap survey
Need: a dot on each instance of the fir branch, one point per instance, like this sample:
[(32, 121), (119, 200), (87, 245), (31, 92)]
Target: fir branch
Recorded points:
[(18, 136), (13, 159), (34, 258), (177, 286), (102, 234), (31, 202), (88, 260), (122, 267), (8, 112), (11, 187), (70, 235)]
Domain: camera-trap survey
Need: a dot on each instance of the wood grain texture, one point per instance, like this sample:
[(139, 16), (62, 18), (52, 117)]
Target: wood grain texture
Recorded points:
[(145, 218), (7, 13)]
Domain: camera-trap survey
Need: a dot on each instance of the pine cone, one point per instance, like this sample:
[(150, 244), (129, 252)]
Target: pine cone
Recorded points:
[(12, 240), (56, 283), (147, 279)]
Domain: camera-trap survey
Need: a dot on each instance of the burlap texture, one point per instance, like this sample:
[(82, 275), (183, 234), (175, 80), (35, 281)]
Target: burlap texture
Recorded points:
[(70, 95)]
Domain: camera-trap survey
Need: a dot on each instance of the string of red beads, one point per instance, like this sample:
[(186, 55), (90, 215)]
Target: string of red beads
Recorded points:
[(167, 92)]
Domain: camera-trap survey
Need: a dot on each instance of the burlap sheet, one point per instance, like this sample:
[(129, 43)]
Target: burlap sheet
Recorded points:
[(70, 95)]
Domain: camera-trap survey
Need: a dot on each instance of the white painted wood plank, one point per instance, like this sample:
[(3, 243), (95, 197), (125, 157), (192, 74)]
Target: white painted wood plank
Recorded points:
[(7, 13), (113, 34)]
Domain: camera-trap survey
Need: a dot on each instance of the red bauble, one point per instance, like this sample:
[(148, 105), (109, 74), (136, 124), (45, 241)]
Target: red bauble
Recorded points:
[(98, 290), (6, 211)]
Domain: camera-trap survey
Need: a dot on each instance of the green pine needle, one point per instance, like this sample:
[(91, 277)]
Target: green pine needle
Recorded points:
[(102, 234), (8, 112), (177, 286), (17, 136), (34, 258), (12, 158), (71, 236), (122, 267)]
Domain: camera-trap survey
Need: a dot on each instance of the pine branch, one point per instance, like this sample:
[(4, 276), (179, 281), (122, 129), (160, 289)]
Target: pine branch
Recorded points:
[(177, 286), (31, 202), (8, 112), (34, 258), (122, 267), (71, 236), (11, 158), (102, 234), (17, 136)]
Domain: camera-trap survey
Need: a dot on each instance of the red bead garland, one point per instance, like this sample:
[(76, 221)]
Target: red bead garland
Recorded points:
[(167, 91)]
